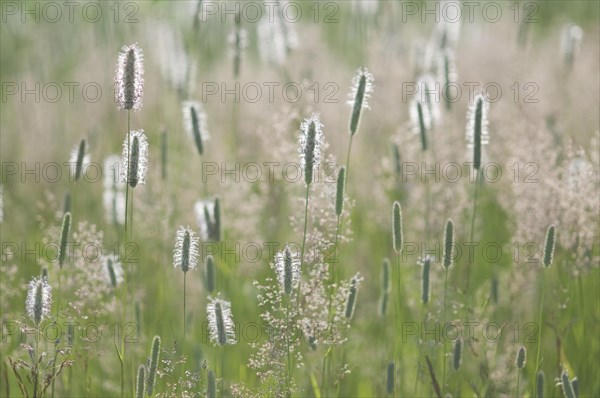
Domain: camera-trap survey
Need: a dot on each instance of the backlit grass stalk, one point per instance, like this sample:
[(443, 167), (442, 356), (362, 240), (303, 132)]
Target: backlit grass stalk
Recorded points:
[(398, 241), (548, 257), (448, 259), (62, 252), (477, 137), (185, 257), (310, 142)]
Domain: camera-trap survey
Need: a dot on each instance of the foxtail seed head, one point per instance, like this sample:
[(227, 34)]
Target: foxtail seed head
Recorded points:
[(140, 387), (39, 299), (79, 155), (339, 193), (135, 163), (385, 286), (311, 142), (540, 382), (211, 274), (521, 357), (287, 266), (154, 358), (362, 87), (426, 266), (549, 245), (456, 358), (113, 271), (448, 257), (397, 227), (390, 378), (64, 236), (129, 78), (477, 132), (211, 389), (351, 299), (194, 120), (185, 255), (220, 321)]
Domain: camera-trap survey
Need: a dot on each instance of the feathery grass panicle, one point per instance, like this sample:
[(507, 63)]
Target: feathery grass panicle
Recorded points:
[(129, 78), (64, 237), (287, 267), (220, 321), (311, 143), (397, 229), (351, 299), (39, 300), (79, 159), (567, 387), (362, 88), (425, 263), (135, 173), (140, 387), (339, 193), (211, 388), (113, 271), (185, 254), (477, 131), (521, 357), (448, 257), (194, 120), (540, 382), (549, 245), (457, 357), (154, 360), (211, 274), (385, 286), (420, 120), (390, 378)]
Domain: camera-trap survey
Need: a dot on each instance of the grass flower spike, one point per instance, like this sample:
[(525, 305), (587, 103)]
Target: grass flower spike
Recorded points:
[(39, 300), (194, 119), (311, 142), (135, 173), (477, 131), (129, 79), (185, 255), (362, 87), (220, 321), (287, 266)]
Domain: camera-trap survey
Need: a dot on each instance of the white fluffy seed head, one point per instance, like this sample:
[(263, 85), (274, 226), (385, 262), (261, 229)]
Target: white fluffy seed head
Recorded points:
[(472, 122), (429, 93), (310, 145), (361, 73), (39, 299), (287, 267), (220, 321), (129, 78), (135, 173), (185, 255)]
